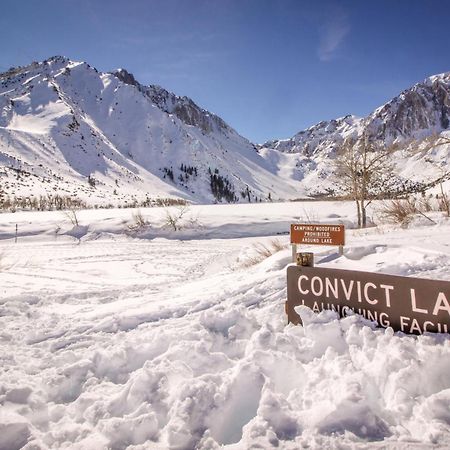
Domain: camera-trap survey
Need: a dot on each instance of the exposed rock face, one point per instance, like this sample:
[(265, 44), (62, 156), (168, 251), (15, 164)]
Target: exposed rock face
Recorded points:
[(319, 137), (423, 108), (183, 107), (126, 77)]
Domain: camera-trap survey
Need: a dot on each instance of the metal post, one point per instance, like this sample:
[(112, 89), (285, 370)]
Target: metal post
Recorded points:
[(341, 250), (294, 252), (15, 240)]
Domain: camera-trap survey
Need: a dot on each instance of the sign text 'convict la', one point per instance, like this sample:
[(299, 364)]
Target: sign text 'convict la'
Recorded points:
[(411, 305)]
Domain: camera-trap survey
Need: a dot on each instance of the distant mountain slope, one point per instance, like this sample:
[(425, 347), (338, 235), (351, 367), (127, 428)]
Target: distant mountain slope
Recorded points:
[(67, 128), (416, 113)]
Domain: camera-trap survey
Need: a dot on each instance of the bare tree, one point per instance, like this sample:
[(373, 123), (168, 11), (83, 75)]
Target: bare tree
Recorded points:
[(180, 218), (71, 214), (431, 142), (363, 167), (173, 217)]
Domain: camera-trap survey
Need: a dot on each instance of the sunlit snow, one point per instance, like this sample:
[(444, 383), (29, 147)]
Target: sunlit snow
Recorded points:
[(155, 339)]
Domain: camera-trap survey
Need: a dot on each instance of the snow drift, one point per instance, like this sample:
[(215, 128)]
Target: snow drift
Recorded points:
[(111, 341)]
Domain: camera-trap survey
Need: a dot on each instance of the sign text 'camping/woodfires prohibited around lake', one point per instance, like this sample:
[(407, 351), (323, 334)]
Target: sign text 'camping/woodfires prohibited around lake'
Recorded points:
[(317, 234)]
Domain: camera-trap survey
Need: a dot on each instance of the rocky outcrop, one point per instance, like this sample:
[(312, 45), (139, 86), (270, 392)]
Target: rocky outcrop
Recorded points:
[(183, 107), (126, 77), (318, 138), (423, 108)]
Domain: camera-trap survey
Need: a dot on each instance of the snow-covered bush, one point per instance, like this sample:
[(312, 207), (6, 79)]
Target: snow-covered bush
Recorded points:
[(138, 222), (180, 217)]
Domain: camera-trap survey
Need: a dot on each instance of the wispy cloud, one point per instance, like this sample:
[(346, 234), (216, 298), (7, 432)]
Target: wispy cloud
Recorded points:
[(332, 34)]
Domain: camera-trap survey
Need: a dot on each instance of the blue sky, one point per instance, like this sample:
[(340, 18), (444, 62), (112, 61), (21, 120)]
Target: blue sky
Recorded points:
[(270, 68)]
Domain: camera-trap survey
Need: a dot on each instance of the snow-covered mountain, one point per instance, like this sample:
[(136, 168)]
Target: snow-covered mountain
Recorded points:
[(415, 114), (66, 128)]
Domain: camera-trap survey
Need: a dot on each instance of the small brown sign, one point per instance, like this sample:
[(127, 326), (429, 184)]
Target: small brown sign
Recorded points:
[(411, 305), (317, 234)]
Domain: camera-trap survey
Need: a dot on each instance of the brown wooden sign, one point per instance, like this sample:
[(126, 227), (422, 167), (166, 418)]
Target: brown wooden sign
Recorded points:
[(317, 234), (411, 305)]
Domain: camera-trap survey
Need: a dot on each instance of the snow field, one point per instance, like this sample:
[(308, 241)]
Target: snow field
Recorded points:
[(111, 341)]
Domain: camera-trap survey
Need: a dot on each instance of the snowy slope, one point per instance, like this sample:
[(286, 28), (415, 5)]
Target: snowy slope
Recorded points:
[(416, 113), (63, 121), (110, 341)]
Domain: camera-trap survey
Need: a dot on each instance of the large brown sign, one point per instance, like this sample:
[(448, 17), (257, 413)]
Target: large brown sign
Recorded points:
[(317, 234), (411, 305)]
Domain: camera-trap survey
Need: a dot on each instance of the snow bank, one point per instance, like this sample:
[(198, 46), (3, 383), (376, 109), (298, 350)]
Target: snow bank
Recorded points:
[(112, 342)]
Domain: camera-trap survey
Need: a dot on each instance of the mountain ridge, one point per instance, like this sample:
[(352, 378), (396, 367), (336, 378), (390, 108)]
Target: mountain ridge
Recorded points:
[(107, 138), (407, 119), (183, 107)]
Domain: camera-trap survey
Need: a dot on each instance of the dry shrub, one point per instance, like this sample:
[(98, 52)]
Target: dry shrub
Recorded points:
[(399, 211), (170, 202), (277, 245), (309, 216), (43, 203), (425, 204), (59, 202), (443, 202), (174, 218), (402, 211), (180, 217), (262, 251), (71, 215), (138, 222)]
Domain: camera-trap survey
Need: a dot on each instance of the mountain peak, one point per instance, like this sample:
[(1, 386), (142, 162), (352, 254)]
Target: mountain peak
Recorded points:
[(125, 76), (440, 77)]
